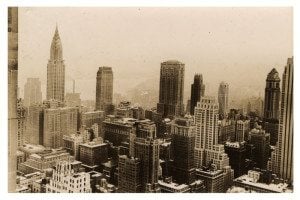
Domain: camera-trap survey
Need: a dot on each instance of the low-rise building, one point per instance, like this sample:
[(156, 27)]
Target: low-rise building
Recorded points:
[(92, 154), (41, 162), (71, 144), (252, 183), (171, 187), (65, 180)]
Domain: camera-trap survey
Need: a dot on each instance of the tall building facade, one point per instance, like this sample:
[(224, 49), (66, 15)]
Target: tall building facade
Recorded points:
[(56, 70), (242, 130), (104, 89), (32, 92), (92, 154), (197, 91), (12, 96), (261, 141), (65, 180), (271, 105), (282, 157), (210, 157), (272, 95), (21, 122), (183, 131), (171, 89), (223, 99), (146, 149), (34, 125), (57, 123), (206, 120), (129, 179)]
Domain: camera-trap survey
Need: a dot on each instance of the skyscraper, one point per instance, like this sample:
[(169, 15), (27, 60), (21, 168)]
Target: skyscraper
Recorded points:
[(104, 89), (183, 131), (271, 106), (56, 70), (171, 88), (272, 95), (223, 99), (32, 92), (146, 149), (197, 91), (261, 141), (129, 179), (57, 123), (34, 125), (12, 96), (206, 120), (210, 157), (282, 157)]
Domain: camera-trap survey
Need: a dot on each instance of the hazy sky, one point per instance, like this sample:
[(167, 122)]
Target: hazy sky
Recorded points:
[(236, 45)]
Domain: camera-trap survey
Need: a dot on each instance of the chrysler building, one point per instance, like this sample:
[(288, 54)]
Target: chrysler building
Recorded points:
[(56, 71)]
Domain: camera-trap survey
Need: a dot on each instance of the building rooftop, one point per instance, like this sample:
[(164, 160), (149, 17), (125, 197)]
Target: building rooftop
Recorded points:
[(172, 62), (32, 148), (94, 144), (20, 153), (93, 112), (280, 187), (234, 144), (173, 185), (273, 75), (209, 172)]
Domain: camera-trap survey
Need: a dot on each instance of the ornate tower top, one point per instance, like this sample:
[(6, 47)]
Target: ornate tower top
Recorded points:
[(56, 47), (273, 75)]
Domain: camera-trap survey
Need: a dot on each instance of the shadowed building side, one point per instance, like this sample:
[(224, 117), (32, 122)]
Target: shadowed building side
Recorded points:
[(12, 96), (171, 89), (104, 89)]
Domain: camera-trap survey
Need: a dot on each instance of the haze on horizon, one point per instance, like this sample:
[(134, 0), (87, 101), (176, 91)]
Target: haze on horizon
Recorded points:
[(237, 45)]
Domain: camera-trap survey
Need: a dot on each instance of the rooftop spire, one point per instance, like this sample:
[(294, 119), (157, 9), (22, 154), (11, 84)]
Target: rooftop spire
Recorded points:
[(56, 47)]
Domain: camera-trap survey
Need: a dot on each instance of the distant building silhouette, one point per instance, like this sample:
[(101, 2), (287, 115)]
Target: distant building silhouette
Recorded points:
[(197, 91), (171, 89), (32, 92), (223, 99), (104, 89)]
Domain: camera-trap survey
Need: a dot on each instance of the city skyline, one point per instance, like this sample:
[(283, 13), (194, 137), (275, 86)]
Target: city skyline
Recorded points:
[(118, 144), (84, 57)]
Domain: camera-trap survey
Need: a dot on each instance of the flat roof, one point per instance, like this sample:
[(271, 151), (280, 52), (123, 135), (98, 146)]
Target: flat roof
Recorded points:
[(173, 185), (93, 144), (280, 187)]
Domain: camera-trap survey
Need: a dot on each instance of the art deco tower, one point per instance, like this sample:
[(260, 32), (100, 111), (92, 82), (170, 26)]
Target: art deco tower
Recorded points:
[(197, 91), (171, 89), (206, 120), (104, 89), (223, 98), (56, 70), (282, 157), (272, 95), (271, 108)]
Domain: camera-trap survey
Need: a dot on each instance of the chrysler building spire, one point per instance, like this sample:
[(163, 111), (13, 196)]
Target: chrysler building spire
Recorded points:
[(56, 70), (56, 47)]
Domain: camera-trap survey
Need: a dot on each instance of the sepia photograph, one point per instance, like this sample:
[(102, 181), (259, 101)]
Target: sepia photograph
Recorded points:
[(150, 99)]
